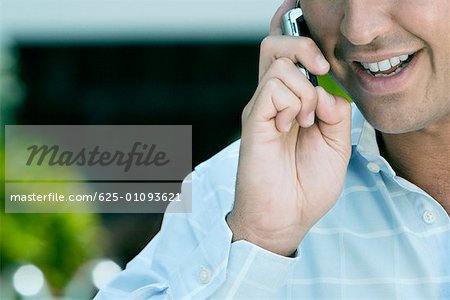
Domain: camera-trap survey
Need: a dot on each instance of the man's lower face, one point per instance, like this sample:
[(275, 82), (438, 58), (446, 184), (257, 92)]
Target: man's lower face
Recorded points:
[(399, 94), (391, 56)]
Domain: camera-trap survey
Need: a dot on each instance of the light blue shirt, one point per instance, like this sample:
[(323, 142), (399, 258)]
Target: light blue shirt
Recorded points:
[(384, 239)]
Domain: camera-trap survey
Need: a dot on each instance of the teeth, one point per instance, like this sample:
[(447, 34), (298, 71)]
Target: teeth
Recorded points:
[(385, 75), (395, 61), (398, 70), (374, 67), (385, 64)]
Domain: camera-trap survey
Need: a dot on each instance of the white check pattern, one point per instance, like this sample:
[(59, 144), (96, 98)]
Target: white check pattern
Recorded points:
[(384, 239)]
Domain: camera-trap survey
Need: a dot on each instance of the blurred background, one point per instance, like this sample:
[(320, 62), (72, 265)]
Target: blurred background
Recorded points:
[(116, 62)]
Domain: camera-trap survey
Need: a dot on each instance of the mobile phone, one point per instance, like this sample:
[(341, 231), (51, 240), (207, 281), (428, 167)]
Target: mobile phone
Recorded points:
[(294, 24)]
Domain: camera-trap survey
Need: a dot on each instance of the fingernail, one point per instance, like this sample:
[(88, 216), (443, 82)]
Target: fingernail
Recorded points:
[(310, 118), (322, 63)]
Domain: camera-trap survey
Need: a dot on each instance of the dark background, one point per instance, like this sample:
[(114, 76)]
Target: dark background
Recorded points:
[(202, 84)]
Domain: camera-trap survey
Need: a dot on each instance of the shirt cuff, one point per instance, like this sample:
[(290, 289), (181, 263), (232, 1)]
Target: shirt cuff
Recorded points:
[(215, 258), (205, 269), (260, 266)]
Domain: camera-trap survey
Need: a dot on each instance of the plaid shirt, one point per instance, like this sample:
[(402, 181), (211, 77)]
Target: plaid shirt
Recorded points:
[(384, 239)]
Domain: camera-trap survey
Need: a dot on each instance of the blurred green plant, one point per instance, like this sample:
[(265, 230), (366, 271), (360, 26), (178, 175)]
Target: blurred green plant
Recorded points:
[(56, 243)]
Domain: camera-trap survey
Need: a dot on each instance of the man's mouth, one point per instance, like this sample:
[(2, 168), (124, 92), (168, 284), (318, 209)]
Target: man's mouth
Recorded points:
[(388, 67), (390, 74)]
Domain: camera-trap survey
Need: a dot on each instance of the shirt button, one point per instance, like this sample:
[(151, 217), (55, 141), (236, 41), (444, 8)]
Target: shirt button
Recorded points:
[(204, 276), (373, 167), (429, 217)]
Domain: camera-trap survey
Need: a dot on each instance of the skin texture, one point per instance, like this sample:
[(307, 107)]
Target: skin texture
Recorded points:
[(291, 169), (415, 121)]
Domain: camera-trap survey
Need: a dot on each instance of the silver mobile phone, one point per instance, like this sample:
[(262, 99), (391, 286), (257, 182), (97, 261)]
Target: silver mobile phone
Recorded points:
[(294, 24)]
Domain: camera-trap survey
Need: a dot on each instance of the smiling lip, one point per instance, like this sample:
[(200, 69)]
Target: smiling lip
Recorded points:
[(370, 58), (387, 85)]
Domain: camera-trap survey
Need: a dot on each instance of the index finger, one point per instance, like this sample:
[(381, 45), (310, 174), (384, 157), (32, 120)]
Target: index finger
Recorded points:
[(275, 24)]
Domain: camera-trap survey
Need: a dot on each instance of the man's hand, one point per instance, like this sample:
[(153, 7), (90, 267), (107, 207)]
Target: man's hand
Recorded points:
[(295, 146)]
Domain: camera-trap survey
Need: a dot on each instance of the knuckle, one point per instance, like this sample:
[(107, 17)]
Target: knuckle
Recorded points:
[(307, 43), (344, 106), (284, 61), (281, 64), (272, 84), (347, 107), (245, 114), (297, 105), (310, 94), (266, 44)]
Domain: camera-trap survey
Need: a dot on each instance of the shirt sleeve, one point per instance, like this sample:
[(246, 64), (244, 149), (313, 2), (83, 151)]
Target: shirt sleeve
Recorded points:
[(192, 256)]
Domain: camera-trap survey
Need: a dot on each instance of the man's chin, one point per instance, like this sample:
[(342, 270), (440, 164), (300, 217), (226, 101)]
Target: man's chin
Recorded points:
[(394, 123), (401, 125)]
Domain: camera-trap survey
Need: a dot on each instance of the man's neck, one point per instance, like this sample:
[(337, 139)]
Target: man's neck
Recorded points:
[(422, 157)]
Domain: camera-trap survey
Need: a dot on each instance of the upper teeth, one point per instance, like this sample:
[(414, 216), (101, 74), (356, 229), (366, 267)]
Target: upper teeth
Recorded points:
[(385, 64)]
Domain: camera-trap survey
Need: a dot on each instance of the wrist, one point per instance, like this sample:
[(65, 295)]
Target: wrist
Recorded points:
[(280, 244)]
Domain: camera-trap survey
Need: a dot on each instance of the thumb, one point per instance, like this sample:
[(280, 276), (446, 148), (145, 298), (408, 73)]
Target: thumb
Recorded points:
[(334, 115), (275, 24)]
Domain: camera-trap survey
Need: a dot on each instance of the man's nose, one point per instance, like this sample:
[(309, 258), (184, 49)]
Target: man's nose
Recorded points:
[(365, 20)]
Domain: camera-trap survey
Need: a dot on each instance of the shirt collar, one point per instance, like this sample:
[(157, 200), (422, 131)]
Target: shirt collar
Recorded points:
[(364, 141), (363, 134)]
